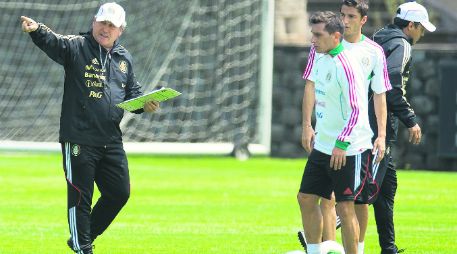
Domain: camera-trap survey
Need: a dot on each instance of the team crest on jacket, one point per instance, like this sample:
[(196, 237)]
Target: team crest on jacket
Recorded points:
[(123, 66), (75, 150)]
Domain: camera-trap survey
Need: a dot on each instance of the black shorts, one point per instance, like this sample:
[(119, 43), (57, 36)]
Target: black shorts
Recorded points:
[(321, 180), (366, 182), (374, 179)]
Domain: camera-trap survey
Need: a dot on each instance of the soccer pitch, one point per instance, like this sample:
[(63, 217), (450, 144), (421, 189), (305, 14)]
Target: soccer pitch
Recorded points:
[(207, 205)]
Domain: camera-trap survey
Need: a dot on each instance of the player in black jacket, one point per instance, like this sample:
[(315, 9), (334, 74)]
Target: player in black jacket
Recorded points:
[(98, 75), (396, 40)]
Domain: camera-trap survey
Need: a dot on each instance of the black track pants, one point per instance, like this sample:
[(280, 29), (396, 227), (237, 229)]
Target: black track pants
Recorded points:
[(384, 209), (108, 168)]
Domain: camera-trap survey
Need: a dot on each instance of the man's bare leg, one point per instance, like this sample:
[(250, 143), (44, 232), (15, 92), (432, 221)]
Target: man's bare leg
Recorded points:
[(311, 218), (361, 210), (329, 216), (349, 226)]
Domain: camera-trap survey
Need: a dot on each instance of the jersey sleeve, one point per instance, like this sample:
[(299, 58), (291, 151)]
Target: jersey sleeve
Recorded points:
[(347, 81), (58, 47), (308, 74), (380, 82)]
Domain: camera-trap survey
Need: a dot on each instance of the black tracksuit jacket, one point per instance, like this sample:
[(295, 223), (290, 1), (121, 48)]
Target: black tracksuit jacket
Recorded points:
[(89, 114), (397, 49)]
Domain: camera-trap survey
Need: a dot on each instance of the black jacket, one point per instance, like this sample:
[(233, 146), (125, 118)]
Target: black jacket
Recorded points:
[(397, 48), (89, 115)]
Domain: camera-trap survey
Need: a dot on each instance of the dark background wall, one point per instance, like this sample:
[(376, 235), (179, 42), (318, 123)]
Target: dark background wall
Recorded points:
[(431, 92)]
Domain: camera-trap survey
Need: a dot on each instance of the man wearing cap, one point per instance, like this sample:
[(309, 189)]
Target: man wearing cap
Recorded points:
[(396, 40), (98, 75)]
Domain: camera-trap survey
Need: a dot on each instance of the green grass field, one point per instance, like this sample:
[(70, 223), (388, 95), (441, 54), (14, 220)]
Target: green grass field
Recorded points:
[(207, 205)]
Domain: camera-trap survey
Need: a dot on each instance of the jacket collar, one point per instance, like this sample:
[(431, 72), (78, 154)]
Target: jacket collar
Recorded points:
[(390, 32), (336, 50)]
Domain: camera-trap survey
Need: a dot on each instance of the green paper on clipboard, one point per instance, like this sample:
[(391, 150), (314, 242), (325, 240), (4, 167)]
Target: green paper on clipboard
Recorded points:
[(158, 95)]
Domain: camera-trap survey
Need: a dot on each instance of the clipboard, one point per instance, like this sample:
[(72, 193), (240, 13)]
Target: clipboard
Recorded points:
[(158, 95)]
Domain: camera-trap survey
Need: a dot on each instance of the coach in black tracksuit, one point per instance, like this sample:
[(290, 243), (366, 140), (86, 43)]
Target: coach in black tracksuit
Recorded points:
[(98, 75), (396, 40)]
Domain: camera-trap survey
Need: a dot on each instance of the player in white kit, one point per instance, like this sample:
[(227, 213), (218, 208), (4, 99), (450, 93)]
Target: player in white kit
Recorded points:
[(372, 60)]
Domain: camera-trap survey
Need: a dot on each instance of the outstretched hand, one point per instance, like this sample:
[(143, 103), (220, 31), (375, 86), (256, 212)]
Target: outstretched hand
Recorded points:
[(28, 24)]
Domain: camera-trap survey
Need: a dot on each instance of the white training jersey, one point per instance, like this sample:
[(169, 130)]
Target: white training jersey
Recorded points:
[(368, 64), (371, 57), (341, 102)]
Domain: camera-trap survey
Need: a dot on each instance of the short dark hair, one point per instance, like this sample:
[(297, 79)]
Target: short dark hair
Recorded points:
[(402, 23), (333, 22), (360, 5)]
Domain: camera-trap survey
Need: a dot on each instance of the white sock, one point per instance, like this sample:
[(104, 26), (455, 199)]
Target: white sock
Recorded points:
[(360, 247), (314, 248)]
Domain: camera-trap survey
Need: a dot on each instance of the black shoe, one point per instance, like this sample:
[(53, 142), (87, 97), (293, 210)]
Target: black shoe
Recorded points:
[(86, 249), (70, 244), (302, 239), (399, 250)]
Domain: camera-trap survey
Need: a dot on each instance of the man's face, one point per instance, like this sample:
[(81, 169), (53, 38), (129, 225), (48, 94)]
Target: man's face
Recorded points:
[(416, 32), (323, 41), (105, 33), (352, 20)]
